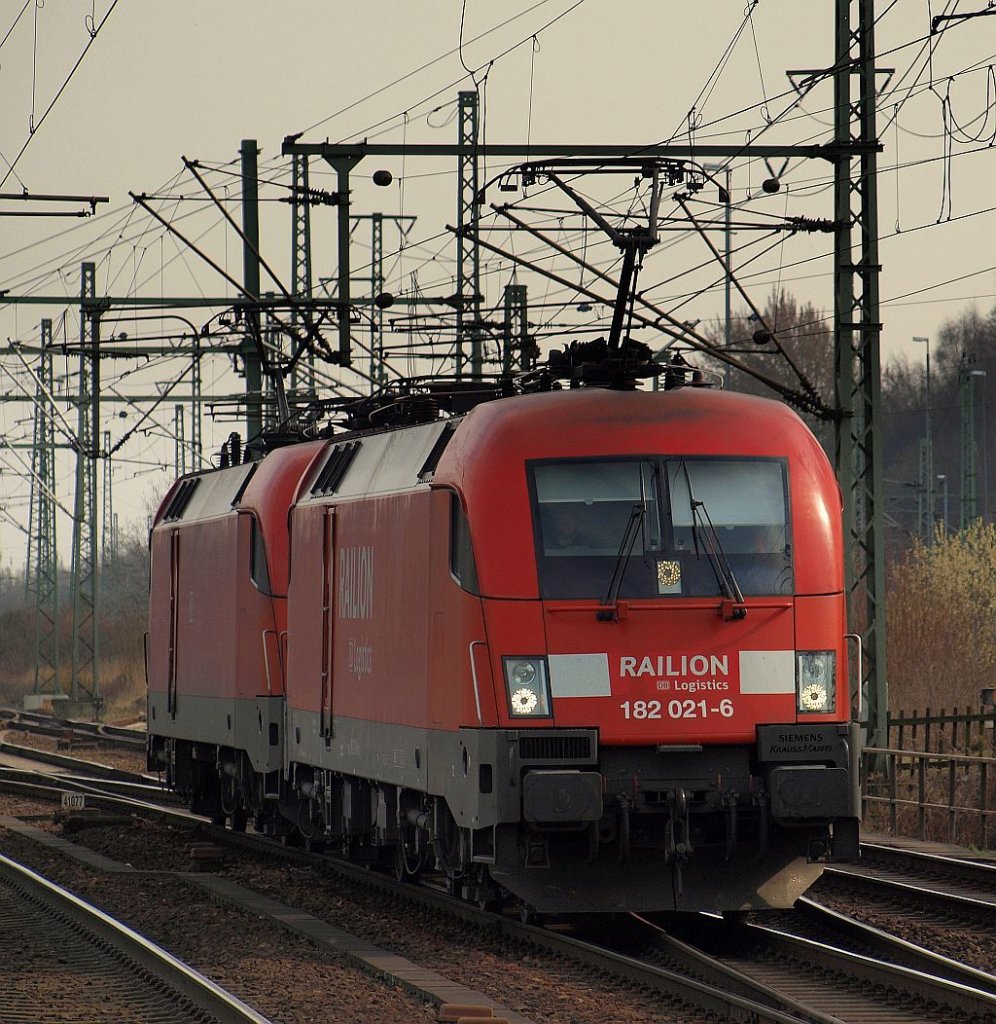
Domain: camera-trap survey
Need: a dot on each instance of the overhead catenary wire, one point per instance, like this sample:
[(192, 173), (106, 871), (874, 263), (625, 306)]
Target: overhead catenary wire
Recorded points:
[(436, 261), (62, 88)]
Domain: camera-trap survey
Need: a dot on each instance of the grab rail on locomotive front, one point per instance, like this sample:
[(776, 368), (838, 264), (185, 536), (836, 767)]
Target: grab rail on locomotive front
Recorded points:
[(856, 637)]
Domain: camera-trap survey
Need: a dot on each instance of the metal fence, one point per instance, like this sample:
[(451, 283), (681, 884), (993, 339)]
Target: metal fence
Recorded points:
[(963, 732), (931, 795)]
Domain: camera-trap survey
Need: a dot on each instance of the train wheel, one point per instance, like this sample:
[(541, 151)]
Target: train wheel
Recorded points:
[(231, 809), (311, 826)]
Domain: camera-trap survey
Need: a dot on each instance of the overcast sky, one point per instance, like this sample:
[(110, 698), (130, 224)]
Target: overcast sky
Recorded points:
[(165, 80)]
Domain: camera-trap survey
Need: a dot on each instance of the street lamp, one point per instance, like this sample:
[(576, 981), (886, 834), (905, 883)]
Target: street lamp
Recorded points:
[(928, 474)]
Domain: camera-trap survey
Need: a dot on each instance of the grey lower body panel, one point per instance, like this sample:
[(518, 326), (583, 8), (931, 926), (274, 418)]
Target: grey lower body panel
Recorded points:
[(254, 725), (452, 765)]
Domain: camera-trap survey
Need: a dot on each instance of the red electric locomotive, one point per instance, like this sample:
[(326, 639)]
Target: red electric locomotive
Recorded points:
[(585, 647)]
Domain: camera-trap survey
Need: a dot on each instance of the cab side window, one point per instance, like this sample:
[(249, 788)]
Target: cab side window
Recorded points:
[(258, 571), (462, 563)]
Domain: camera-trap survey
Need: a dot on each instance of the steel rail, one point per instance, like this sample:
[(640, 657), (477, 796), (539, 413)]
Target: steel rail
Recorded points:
[(868, 980), (897, 949), (142, 955), (49, 725)]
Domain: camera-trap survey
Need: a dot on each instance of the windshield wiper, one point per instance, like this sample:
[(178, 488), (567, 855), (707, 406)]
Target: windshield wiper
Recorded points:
[(721, 567), (608, 612)]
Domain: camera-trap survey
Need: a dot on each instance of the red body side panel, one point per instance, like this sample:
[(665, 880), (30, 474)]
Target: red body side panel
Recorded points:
[(381, 615), (460, 686), (213, 631), (206, 619), (393, 626), (308, 615)]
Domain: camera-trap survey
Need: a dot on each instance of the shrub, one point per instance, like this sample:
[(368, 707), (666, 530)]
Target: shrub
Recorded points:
[(941, 630)]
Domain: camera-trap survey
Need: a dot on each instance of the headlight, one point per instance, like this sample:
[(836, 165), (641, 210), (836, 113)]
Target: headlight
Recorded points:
[(816, 682), (526, 687)]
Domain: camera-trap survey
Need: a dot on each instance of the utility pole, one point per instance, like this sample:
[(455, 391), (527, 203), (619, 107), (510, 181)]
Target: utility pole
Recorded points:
[(516, 334), (857, 335), (928, 458), (107, 551), (378, 301), (43, 564), (969, 448), (468, 297), (250, 278), (924, 510), (179, 443), (85, 683), (377, 374), (303, 374), (196, 420)]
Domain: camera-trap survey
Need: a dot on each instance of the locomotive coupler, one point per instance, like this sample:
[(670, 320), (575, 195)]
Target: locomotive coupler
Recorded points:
[(678, 844)]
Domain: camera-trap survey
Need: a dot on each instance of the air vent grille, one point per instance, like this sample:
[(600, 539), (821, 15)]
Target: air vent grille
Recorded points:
[(334, 470), (548, 747), (181, 499), (428, 470)]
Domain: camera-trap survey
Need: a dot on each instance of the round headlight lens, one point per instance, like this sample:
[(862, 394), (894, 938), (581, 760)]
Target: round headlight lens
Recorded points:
[(523, 673)]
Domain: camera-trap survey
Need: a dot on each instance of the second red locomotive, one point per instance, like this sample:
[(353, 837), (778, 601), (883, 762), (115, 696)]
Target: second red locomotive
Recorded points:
[(584, 647)]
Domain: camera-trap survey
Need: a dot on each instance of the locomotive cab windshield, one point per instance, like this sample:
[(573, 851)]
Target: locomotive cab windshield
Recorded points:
[(581, 510)]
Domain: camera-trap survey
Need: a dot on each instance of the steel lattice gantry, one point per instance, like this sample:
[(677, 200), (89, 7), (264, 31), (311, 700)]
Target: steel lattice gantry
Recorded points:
[(516, 337), (43, 565), (85, 583), (303, 374), (468, 296), (857, 335)]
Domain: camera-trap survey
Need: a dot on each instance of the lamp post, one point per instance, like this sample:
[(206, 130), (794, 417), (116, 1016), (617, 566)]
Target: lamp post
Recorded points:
[(928, 474), (969, 446)]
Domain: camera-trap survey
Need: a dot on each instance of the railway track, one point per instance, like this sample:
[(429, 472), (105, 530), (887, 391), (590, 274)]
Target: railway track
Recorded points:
[(683, 998), (918, 888), (73, 731), (786, 979), (68, 961), (826, 983), (959, 876)]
